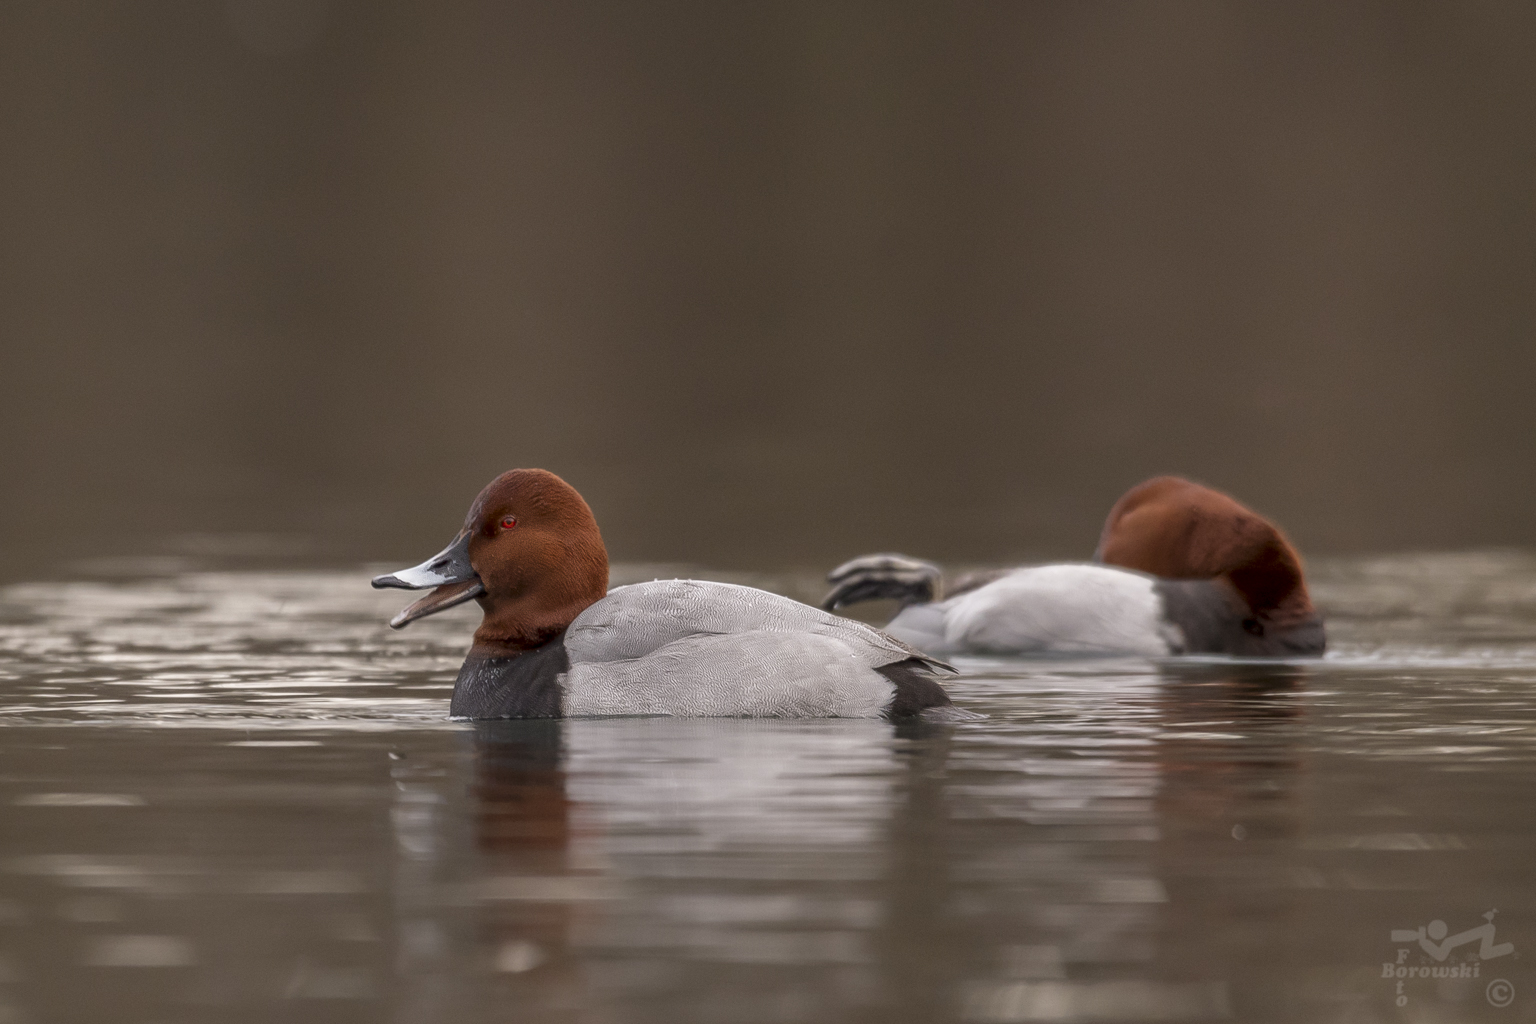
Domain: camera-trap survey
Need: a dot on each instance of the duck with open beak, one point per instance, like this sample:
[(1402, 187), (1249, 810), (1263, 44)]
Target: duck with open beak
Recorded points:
[(554, 642), (452, 579)]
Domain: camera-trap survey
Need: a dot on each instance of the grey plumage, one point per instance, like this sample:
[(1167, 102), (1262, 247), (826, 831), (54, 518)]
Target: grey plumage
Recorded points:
[(686, 647)]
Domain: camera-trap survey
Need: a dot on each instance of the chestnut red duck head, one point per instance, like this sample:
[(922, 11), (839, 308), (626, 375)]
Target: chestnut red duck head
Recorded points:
[(1177, 529), (530, 553)]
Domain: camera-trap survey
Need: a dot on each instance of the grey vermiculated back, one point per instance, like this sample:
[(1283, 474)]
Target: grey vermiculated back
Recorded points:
[(757, 674), (684, 647), (635, 620)]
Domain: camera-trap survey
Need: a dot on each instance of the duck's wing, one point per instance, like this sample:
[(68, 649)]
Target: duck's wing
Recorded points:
[(756, 674), (635, 621), (888, 576)]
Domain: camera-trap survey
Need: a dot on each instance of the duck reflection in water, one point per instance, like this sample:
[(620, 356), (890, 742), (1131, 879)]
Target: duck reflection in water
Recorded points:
[(522, 831), (853, 869), (663, 863), (1226, 741), (1231, 808)]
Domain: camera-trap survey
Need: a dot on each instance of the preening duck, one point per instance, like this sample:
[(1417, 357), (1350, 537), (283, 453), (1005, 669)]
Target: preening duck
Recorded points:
[(555, 642), (1180, 569)]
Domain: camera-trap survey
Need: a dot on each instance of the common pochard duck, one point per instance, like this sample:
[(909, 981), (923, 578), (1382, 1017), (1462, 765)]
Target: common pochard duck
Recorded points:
[(555, 642), (1180, 569)]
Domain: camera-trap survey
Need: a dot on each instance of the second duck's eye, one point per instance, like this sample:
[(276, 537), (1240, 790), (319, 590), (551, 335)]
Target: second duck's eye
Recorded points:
[(507, 522)]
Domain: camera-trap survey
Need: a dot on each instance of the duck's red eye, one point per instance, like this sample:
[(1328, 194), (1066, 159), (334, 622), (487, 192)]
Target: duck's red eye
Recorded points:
[(508, 522)]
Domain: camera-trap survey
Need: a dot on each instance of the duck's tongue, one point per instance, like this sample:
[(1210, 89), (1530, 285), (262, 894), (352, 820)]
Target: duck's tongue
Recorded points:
[(445, 596), (449, 572)]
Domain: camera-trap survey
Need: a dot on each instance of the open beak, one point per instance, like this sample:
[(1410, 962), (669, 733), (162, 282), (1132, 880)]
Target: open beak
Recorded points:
[(448, 572)]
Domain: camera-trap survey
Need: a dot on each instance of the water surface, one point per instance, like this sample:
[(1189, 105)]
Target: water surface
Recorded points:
[(235, 796)]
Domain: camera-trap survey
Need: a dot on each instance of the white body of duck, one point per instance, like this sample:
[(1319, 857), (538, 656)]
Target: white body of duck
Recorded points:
[(1049, 609)]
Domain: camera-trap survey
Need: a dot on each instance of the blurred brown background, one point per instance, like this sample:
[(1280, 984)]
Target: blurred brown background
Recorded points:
[(771, 284)]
